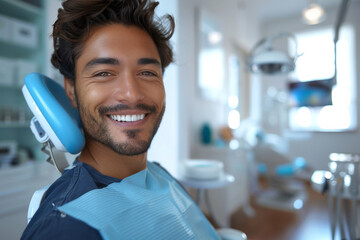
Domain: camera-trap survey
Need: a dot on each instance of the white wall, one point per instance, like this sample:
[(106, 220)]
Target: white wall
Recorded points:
[(239, 25), (240, 30), (165, 146), (317, 148)]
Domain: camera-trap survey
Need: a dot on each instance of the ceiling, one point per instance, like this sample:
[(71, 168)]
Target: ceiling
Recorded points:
[(270, 9)]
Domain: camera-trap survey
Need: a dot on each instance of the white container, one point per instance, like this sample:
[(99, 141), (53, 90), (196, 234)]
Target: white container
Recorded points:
[(203, 169), (24, 34), (7, 72), (5, 28)]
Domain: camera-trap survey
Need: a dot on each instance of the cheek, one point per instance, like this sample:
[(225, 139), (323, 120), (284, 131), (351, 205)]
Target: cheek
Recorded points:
[(160, 97), (92, 96)]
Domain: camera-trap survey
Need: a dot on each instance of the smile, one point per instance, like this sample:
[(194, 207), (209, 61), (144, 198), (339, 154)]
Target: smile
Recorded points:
[(127, 118)]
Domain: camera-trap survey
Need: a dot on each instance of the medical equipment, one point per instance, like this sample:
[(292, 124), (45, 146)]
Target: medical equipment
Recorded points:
[(55, 123), (267, 60), (194, 180), (342, 185), (344, 6), (267, 156), (284, 191)]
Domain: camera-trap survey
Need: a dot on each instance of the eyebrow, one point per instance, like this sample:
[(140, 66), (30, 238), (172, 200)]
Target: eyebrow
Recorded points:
[(145, 61), (97, 61), (114, 61)]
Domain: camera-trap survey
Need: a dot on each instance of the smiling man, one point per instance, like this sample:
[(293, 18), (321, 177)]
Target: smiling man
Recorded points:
[(113, 54), (120, 96)]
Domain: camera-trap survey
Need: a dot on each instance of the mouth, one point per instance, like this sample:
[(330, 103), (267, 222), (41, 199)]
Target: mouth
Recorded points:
[(128, 117)]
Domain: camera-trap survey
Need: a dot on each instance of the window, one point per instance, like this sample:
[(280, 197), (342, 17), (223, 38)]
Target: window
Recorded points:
[(211, 57), (317, 62)]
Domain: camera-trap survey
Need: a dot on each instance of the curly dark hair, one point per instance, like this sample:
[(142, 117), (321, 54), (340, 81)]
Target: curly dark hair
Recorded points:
[(77, 18)]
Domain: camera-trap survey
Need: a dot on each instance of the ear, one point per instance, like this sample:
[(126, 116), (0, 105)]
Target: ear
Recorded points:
[(69, 86)]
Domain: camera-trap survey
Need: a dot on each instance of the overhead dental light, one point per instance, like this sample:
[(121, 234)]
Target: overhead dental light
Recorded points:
[(313, 13), (267, 60)]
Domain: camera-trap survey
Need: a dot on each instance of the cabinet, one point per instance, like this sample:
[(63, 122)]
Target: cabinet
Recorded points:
[(19, 56), (22, 50), (17, 186)]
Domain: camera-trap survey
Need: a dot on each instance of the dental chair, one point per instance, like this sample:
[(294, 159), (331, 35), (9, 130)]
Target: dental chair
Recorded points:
[(284, 191), (56, 124)]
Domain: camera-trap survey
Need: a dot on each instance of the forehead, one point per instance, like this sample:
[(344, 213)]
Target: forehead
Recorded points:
[(120, 42)]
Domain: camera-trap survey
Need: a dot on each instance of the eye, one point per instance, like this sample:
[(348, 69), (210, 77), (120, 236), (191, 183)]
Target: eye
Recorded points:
[(102, 74), (148, 73)]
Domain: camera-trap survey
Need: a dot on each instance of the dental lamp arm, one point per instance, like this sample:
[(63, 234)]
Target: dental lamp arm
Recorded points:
[(339, 21), (340, 18)]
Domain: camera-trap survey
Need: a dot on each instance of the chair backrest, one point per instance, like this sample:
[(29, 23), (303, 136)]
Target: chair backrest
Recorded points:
[(55, 123), (35, 202), (55, 120)]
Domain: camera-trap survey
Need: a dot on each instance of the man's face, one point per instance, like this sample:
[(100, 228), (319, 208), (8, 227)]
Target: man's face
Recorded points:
[(119, 88)]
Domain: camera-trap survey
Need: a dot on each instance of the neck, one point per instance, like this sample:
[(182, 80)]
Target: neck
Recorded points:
[(110, 163)]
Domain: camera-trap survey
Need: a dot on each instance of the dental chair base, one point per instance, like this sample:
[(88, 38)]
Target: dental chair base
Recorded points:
[(290, 201), (284, 192)]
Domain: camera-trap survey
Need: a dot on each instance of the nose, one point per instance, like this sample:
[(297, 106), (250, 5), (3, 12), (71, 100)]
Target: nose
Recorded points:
[(128, 89)]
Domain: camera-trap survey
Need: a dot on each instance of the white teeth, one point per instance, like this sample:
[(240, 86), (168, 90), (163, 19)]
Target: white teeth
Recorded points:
[(127, 118)]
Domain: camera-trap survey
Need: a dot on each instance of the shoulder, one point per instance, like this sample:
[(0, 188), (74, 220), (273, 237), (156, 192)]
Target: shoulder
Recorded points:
[(158, 169), (71, 185), (48, 220), (60, 228)]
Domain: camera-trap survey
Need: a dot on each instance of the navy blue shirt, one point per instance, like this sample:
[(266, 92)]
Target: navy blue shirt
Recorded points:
[(49, 223)]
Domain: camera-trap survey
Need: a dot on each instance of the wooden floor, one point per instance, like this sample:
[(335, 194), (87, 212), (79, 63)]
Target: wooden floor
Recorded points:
[(309, 223)]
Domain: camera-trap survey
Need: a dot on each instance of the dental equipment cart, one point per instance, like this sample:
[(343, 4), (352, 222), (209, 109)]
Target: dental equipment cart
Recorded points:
[(342, 185)]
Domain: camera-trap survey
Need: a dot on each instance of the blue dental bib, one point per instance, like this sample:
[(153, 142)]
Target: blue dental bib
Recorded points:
[(147, 205)]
